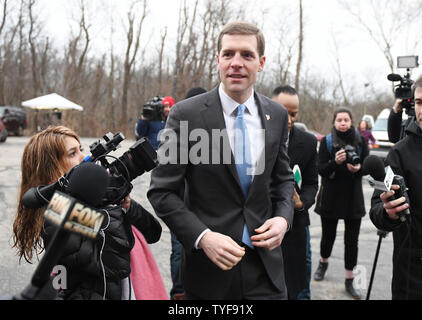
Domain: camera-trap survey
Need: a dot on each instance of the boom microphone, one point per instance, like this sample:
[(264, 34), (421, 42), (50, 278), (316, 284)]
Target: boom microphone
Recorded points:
[(374, 166), (394, 77), (70, 215)]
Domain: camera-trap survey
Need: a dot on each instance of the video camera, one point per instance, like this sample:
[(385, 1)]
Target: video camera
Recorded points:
[(404, 90), (153, 109), (140, 157)]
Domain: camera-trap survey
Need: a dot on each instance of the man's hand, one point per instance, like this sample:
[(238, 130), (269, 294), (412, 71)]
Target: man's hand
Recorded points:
[(271, 233), (340, 156), (352, 168), (221, 249), (398, 106), (393, 207), (125, 203), (297, 200)]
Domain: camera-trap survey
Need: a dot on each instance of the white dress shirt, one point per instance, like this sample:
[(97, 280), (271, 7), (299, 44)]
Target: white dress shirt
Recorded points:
[(252, 121)]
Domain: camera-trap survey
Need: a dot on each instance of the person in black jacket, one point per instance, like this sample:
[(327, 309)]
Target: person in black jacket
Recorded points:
[(405, 159), (95, 269), (341, 195), (302, 151)]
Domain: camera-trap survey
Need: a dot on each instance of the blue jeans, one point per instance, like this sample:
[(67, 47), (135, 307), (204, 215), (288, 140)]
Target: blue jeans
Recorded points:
[(175, 262), (305, 294)]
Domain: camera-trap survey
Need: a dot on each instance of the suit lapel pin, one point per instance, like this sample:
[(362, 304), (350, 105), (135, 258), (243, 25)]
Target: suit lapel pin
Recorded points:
[(268, 117)]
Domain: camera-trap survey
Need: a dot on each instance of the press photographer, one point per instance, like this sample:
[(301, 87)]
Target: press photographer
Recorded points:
[(404, 96), (340, 156), (153, 119), (405, 159), (98, 269)]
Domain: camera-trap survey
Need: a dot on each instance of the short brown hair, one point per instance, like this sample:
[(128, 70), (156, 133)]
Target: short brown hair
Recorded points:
[(342, 110), (243, 28), (418, 82)]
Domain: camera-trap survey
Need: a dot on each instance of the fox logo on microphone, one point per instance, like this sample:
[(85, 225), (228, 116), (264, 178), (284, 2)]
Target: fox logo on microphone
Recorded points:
[(73, 215)]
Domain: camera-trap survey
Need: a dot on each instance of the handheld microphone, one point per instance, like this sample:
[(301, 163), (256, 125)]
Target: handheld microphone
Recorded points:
[(374, 166), (75, 183), (74, 213)]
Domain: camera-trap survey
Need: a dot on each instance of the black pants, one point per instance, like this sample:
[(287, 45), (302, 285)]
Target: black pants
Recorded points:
[(351, 236), (250, 282)]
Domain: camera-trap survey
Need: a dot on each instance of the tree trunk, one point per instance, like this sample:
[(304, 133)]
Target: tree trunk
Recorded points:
[(300, 52)]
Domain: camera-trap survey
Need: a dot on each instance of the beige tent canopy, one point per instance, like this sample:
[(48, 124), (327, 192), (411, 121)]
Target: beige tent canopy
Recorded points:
[(51, 102)]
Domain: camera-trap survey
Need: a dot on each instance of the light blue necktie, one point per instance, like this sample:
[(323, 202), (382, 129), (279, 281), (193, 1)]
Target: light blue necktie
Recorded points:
[(242, 156)]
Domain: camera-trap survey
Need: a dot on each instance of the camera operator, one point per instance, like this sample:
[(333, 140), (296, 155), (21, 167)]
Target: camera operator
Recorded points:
[(341, 154), (395, 126), (152, 122), (404, 95), (96, 269), (405, 159)]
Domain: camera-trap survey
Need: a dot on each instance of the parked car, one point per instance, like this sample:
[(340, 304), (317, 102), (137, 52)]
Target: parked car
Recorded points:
[(317, 135), (302, 126), (14, 119), (382, 144), (3, 132)]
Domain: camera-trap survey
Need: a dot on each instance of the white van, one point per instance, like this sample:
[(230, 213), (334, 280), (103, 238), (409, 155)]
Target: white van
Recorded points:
[(380, 133)]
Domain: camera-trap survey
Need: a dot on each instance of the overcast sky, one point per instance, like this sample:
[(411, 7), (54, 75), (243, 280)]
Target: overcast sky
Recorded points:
[(361, 60)]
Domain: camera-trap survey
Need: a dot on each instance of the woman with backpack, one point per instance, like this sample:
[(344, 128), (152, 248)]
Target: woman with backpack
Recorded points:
[(341, 155)]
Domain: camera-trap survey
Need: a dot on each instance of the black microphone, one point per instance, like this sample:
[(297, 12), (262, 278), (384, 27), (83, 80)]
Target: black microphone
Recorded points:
[(88, 183), (71, 183), (70, 215), (394, 77), (374, 166)]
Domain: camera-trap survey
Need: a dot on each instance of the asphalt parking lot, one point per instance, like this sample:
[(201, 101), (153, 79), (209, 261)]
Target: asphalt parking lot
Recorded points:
[(14, 276)]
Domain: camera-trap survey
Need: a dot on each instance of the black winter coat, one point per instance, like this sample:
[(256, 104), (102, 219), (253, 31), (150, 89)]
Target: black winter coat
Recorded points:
[(405, 159), (302, 151), (340, 195), (84, 263)]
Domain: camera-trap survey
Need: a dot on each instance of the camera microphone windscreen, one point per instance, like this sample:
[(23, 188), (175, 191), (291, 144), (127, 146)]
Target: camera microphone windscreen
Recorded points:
[(394, 77), (374, 166), (88, 183)]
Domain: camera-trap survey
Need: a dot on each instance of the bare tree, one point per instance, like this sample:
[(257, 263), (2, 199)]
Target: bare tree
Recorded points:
[(338, 72), (160, 60), (300, 49), (388, 21), (197, 45), (31, 39), (75, 55), (2, 74), (3, 17), (133, 37)]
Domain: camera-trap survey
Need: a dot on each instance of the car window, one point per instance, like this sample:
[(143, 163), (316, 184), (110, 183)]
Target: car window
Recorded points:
[(380, 125)]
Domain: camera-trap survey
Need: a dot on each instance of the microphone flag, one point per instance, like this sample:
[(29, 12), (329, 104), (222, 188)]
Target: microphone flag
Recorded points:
[(297, 175)]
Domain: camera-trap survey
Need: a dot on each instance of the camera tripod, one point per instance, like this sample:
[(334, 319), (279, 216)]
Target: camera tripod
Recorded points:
[(381, 234)]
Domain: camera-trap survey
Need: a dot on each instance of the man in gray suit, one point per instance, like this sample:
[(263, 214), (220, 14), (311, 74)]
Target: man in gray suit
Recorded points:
[(230, 146)]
